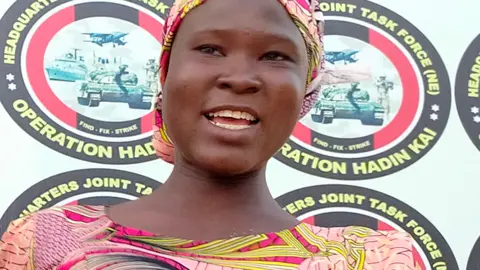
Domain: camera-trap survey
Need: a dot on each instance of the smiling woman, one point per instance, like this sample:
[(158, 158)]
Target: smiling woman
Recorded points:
[(255, 62), (236, 76)]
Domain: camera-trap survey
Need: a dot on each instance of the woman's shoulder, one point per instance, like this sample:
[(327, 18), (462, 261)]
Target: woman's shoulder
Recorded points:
[(58, 218), (357, 234), (48, 235)]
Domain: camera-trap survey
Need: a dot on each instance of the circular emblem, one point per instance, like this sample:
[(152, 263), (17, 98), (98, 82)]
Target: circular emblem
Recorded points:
[(474, 260), (371, 128), (80, 76), (87, 187), (334, 206), (467, 91)]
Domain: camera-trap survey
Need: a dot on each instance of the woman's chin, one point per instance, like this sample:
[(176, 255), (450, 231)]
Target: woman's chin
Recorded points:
[(227, 164)]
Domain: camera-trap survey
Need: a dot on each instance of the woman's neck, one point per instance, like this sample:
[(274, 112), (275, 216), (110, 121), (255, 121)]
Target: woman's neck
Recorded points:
[(192, 206), (195, 205), (202, 191)]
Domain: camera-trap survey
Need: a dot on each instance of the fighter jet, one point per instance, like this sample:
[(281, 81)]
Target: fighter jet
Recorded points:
[(116, 38), (346, 56)]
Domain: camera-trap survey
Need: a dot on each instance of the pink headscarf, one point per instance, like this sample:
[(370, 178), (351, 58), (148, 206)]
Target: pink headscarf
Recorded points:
[(306, 16)]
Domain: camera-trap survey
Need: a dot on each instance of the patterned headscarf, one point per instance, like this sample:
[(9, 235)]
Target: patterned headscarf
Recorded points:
[(302, 13)]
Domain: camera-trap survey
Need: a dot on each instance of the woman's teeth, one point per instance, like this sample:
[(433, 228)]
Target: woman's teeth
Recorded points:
[(233, 120), (230, 126), (233, 114)]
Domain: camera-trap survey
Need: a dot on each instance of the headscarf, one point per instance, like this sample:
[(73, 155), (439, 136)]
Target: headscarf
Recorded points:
[(301, 12)]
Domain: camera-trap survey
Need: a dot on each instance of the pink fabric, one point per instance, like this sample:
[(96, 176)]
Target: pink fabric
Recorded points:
[(83, 237)]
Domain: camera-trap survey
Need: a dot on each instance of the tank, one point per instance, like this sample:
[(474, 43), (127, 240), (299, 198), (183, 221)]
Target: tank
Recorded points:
[(114, 86), (347, 103)]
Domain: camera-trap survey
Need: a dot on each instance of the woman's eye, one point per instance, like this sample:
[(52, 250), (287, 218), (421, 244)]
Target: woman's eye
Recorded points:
[(275, 56), (209, 50)]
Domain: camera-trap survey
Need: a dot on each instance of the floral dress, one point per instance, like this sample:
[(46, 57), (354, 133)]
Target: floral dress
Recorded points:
[(83, 237)]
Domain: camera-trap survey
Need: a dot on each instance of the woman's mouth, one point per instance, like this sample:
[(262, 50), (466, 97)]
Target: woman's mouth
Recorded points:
[(233, 120)]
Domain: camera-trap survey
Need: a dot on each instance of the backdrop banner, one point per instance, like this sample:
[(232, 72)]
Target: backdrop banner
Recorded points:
[(397, 155)]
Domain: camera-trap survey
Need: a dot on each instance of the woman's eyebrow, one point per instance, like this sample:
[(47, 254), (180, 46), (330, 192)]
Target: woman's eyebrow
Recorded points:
[(277, 37)]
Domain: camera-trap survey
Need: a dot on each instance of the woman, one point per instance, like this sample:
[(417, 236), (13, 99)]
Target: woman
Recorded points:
[(233, 75)]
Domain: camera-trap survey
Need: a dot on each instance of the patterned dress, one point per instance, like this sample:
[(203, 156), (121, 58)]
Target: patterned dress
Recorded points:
[(83, 237)]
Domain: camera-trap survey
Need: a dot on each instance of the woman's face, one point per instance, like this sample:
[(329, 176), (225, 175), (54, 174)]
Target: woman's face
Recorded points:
[(235, 85)]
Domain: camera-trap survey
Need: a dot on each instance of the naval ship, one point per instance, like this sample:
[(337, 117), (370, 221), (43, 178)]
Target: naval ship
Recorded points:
[(69, 67)]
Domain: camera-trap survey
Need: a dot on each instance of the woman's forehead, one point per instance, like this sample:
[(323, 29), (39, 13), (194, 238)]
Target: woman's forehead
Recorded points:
[(251, 18), (246, 16), (213, 10)]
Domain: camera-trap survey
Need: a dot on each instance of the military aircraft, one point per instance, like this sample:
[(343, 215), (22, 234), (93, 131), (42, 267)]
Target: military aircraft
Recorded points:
[(346, 56), (116, 38)]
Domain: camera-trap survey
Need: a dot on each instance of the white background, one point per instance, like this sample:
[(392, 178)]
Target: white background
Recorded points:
[(442, 185)]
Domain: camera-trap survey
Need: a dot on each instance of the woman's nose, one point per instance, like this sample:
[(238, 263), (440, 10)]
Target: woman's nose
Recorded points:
[(240, 77)]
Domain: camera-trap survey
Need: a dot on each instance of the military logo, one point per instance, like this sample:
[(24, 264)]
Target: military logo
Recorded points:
[(80, 76), (377, 126)]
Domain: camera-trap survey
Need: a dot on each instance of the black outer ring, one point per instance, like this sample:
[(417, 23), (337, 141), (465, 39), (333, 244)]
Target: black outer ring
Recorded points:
[(462, 100), (474, 259)]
